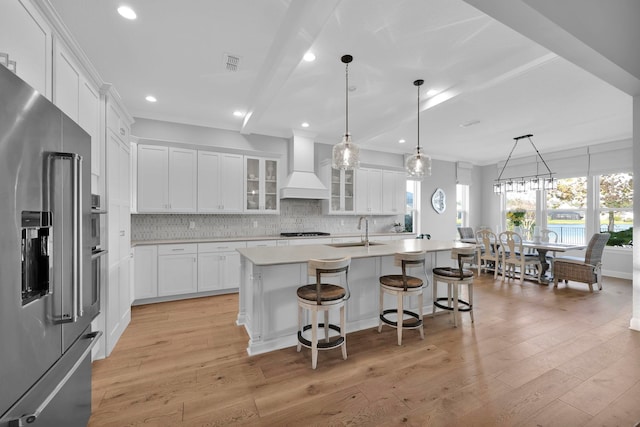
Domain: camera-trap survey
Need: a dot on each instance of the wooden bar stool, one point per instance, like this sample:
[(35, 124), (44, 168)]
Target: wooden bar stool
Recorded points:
[(454, 277), (401, 285), (323, 297)]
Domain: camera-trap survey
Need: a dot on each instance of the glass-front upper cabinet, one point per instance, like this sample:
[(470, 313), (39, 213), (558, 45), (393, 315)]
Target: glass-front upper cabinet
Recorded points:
[(262, 186), (341, 187)]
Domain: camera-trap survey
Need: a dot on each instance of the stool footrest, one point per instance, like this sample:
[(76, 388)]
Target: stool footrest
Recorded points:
[(322, 345), (405, 325), (465, 305)]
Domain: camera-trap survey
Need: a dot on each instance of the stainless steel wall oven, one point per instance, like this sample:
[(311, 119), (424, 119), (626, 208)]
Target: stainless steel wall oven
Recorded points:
[(97, 254)]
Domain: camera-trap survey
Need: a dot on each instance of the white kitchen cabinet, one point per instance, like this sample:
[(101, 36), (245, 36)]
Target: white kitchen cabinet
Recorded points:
[(219, 265), (153, 178), (167, 179), (177, 269), (261, 185), (26, 44), (262, 243), (341, 185), (146, 271), (310, 241), (394, 184), (368, 191), (183, 168), (118, 291), (220, 182)]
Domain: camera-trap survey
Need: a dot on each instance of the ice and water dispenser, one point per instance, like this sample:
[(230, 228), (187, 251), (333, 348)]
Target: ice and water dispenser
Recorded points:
[(36, 254)]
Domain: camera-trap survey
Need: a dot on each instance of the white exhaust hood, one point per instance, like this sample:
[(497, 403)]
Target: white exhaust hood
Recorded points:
[(302, 182)]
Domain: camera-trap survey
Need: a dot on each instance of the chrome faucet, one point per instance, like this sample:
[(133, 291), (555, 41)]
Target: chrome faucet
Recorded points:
[(366, 228)]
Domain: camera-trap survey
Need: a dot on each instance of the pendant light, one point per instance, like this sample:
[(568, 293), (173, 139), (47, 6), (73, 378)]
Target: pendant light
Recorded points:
[(418, 165), (346, 154)]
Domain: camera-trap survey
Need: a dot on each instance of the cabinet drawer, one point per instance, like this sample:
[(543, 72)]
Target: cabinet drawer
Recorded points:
[(189, 248), (261, 243), (220, 246)]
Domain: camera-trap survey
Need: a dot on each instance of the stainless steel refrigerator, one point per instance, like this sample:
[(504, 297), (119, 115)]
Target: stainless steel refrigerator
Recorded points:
[(45, 257)]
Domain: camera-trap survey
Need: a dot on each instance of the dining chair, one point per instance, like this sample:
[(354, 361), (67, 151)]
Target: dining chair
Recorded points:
[(465, 232), (487, 253), (588, 269), (513, 256)]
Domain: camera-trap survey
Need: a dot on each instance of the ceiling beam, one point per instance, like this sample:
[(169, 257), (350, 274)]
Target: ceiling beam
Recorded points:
[(298, 31), (600, 37)]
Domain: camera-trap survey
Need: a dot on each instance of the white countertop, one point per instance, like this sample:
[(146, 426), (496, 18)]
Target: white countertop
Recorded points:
[(254, 238), (298, 254)]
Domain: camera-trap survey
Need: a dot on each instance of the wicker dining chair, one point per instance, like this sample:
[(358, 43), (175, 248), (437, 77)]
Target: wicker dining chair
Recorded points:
[(586, 270)]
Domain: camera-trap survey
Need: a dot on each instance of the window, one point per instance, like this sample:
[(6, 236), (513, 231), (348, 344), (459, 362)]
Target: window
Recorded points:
[(412, 216), (615, 206), (524, 201), (566, 210), (462, 205)]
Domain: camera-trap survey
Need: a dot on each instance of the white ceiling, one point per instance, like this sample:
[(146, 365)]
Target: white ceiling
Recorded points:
[(483, 71)]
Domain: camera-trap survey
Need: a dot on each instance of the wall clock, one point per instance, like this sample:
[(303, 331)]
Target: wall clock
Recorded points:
[(439, 200)]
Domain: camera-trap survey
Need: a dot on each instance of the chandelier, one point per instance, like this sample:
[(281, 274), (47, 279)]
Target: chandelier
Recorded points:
[(418, 165), (543, 181), (346, 154)]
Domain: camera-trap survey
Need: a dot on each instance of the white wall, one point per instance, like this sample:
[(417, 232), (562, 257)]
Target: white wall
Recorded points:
[(440, 226)]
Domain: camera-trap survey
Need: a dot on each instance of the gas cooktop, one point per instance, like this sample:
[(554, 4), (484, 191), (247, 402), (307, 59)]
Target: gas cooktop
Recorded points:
[(305, 234)]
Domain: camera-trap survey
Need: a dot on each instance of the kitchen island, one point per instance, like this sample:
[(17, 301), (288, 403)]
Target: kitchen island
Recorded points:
[(270, 277)]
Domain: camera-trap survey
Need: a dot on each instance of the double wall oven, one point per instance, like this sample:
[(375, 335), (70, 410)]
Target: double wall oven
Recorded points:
[(97, 254)]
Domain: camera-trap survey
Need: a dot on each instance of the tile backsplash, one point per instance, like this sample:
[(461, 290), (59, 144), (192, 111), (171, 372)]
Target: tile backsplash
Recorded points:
[(295, 216)]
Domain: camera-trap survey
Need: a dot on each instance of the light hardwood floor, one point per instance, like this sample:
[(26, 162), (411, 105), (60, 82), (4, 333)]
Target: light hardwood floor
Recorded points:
[(534, 357)]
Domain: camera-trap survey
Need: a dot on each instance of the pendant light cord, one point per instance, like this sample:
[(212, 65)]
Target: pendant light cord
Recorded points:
[(346, 92), (418, 83)]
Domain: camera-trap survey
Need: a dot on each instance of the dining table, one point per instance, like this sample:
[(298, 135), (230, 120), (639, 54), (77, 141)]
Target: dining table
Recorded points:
[(542, 249)]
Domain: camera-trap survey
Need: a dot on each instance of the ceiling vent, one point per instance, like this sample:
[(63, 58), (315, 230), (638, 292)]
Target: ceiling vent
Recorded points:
[(231, 62)]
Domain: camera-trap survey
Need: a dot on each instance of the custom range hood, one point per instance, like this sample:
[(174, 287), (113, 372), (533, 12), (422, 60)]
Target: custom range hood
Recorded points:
[(302, 182)]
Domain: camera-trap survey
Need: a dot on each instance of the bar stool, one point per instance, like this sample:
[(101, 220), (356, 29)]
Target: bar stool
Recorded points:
[(402, 285), (454, 277), (323, 297)]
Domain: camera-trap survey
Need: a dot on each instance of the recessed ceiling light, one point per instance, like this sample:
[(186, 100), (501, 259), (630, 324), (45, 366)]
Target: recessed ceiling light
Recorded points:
[(127, 12), (150, 98), (238, 113), (401, 141), (432, 92), (309, 56), (305, 125)]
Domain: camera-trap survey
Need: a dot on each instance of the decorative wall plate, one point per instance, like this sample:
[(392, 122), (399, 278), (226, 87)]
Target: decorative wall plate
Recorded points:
[(439, 200)]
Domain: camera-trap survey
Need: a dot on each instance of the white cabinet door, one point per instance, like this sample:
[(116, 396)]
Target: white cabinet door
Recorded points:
[(209, 181), (231, 183), (230, 271), (183, 167), (66, 82), (369, 191), (89, 119), (26, 39), (261, 185), (145, 261), (209, 271), (220, 182), (177, 274), (153, 178), (393, 192)]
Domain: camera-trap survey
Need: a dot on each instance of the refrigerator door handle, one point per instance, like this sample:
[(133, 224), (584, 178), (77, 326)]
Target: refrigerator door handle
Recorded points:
[(28, 419), (76, 221)]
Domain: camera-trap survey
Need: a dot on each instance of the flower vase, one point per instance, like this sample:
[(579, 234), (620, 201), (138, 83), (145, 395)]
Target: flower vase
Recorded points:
[(518, 229)]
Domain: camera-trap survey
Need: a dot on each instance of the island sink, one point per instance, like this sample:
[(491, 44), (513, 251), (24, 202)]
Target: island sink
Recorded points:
[(353, 244)]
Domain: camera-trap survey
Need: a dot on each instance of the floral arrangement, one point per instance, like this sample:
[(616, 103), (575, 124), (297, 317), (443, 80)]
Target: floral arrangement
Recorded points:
[(516, 217)]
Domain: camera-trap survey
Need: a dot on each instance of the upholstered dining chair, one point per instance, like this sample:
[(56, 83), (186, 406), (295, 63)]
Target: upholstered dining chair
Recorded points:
[(586, 270), (466, 232)]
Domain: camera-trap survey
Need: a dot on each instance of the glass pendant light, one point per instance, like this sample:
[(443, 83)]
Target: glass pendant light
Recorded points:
[(418, 165), (346, 154)]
